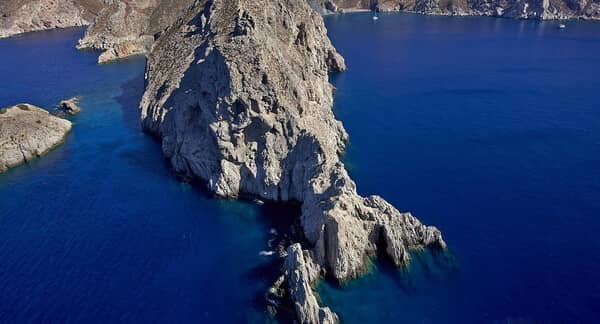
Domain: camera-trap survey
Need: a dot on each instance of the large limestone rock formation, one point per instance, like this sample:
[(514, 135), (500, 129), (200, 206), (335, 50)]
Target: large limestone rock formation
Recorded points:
[(130, 27), (522, 9), (27, 132), (21, 16), (238, 92)]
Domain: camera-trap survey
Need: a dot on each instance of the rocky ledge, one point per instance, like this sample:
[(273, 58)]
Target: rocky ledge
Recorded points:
[(27, 132), (21, 16), (239, 93)]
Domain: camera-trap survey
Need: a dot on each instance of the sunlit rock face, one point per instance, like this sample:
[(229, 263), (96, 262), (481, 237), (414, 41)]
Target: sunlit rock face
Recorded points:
[(124, 28), (28, 132), (238, 92), (21, 16)]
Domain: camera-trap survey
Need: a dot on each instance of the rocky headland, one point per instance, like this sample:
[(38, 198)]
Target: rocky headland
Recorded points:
[(239, 93), (123, 28), (27, 132), (127, 28)]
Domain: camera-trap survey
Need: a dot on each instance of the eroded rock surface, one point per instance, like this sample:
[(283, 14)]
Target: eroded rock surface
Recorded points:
[(522, 9), (301, 274), (27, 132), (21, 16), (129, 27), (238, 91)]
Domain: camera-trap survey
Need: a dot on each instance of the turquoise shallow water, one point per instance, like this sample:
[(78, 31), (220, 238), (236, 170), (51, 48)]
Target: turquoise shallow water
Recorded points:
[(487, 128)]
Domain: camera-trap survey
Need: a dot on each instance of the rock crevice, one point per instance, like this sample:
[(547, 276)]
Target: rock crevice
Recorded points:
[(239, 93)]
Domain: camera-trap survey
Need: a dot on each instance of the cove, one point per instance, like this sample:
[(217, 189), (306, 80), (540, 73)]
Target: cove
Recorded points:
[(100, 230)]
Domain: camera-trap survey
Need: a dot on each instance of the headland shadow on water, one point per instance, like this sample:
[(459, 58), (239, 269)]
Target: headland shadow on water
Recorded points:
[(281, 218)]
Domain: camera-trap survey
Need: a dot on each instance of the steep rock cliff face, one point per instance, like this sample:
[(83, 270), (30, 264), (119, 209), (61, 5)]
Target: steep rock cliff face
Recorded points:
[(523, 9), (238, 92), (21, 16), (129, 27)]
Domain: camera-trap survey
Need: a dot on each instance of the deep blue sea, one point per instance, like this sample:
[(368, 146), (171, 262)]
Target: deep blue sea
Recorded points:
[(486, 128)]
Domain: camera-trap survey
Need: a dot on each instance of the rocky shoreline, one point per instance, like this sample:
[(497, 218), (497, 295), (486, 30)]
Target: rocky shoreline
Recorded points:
[(22, 16), (127, 28), (239, 95), (120, 29), (519, 9), (28, 132)]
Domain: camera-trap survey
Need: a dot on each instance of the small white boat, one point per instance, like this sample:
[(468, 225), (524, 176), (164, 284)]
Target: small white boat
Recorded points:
[(562, 26), (375, 17)]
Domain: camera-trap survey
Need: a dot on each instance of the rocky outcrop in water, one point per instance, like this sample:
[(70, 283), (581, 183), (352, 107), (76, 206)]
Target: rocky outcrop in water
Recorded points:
[(522, 9), (238, 92), (21, 16), (127, 28), (70, 106), (301, 273), (27, 132)]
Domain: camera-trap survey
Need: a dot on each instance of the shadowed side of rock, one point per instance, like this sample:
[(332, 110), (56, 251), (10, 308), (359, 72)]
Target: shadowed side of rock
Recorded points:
[(239, 93)]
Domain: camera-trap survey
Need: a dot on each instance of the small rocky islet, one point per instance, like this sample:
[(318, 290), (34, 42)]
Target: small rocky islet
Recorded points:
[(238, 92), (28, 132)]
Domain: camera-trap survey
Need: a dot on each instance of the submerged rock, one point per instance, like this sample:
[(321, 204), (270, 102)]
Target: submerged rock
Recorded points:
[(239, 93), (70, 106), (27, 132)]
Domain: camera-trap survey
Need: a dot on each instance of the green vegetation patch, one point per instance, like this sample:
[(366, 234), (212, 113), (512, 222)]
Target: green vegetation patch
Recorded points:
[(2, 111), (23, 107)]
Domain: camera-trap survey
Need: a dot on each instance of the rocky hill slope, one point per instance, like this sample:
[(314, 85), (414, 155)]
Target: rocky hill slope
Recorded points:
[(238, 91), (522, 9), (21, 16), (130, 27)]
